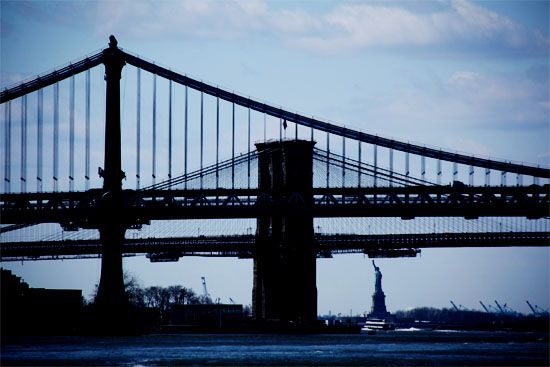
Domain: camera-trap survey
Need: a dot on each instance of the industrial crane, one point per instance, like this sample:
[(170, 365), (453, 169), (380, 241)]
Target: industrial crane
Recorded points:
[(537, 311), (484, 307), (499, 307), (489, 308), (504, 309), (532, 308), (508, 309), (204, 290), (456, 308)]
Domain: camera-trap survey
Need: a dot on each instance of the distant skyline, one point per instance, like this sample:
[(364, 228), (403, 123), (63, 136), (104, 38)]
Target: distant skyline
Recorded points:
[(471, 76)]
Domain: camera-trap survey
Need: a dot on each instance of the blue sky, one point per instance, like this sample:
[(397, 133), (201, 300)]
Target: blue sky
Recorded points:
[(471, 76)]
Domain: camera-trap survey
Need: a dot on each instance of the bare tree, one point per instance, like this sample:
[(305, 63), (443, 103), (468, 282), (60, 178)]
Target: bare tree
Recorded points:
[(133, 290), (151, 296)]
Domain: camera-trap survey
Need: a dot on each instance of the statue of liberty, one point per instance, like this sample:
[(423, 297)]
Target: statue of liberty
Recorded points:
[(378, 297), (377, 279)]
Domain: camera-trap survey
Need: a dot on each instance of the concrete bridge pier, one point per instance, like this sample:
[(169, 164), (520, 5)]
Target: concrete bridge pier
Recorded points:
[(111, 300), (284, 289), (111, 291)]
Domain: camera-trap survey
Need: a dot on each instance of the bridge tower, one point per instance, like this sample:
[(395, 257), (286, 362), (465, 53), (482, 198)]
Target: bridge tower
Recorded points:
[(284, 287), (111, 299)]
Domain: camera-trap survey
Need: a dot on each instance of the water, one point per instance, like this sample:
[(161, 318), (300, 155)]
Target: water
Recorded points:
[(396, 348)]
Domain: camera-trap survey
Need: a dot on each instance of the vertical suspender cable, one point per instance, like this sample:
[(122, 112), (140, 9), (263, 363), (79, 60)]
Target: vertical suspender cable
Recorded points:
[(55, 134), (503, 178), (519, 180), (343, 161), (359, 156), (87, 154), (248, 160), (71, 134), (295, 131), (455, 171), (265, 127), (185, 135), (154, 128), (39, 142), (471, 180), (233, 148), (217, 139), (423, 168), (170, 129), (138, 129), (407, 164), (7, 147), (202, 132), (311, 134), (391, 166), (24, 143), (439, 171), (375, 148), (281, 130), (328, 159), (487, 177)]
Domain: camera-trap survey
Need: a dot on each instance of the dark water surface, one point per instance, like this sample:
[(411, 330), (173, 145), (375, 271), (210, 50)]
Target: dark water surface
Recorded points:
[(394, 348)]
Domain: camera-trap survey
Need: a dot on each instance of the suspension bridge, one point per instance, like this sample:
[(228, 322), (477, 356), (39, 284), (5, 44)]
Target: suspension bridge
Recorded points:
[(180, 150)]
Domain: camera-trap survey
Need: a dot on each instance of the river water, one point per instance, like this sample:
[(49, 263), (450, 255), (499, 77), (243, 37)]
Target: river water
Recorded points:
[(392, 348)]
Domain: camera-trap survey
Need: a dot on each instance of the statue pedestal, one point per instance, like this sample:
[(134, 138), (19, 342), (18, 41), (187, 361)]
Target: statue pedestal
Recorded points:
[(378, 309)]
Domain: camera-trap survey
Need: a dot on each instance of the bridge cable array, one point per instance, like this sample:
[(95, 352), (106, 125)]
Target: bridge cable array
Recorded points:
[(214, 124)]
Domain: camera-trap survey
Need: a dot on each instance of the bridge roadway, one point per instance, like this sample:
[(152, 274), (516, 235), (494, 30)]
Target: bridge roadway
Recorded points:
[(85, 209), (242, 246)]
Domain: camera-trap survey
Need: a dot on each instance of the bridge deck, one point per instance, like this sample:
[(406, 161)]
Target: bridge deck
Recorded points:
[(243, 246), (81, 209)]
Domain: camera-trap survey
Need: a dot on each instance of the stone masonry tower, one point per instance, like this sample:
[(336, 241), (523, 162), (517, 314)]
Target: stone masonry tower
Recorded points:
[(285, 290)]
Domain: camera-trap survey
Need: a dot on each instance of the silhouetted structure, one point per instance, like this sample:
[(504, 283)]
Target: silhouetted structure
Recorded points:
[(28, 310), (284, 202), (214, 315), (284, 258), (378, 309), (111, 301)]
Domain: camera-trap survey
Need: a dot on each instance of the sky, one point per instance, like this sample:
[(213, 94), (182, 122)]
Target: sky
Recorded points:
[(470, 76)]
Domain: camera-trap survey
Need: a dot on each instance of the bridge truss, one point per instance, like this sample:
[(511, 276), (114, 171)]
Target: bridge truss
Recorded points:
[(182, 142)]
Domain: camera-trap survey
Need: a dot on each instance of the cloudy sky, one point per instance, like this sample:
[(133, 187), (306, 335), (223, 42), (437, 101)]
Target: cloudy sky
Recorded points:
[(471, 76)]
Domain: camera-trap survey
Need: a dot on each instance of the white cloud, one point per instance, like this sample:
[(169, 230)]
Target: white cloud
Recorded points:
[(345, 26), (461, 106), (505, 100), (362, 25), (366, 25), (485, 23)]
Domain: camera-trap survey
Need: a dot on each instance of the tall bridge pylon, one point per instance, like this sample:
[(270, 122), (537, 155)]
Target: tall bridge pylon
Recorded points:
[(111, 298), (285, 256)]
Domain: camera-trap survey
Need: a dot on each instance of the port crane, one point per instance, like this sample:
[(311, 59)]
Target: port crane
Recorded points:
[(537, 311), (489, 308), (532, 308), (204, 289), (504, 308), (484, 307), (455, 307)]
